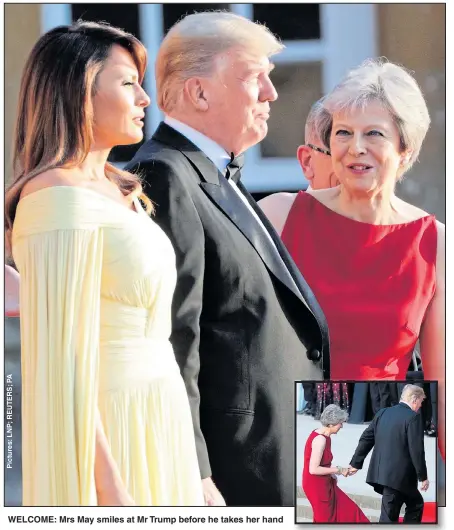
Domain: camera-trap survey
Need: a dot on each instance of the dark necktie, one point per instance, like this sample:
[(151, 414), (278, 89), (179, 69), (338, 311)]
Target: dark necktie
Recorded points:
[(233, 169)]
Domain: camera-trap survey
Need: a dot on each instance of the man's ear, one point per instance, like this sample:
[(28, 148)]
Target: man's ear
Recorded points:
[(196, 93), (304, 155)]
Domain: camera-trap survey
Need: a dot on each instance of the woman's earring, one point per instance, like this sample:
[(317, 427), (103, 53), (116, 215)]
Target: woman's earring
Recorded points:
[(405, 160)]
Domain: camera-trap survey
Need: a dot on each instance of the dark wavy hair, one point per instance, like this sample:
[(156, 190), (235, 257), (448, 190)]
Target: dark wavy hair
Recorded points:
[(54, 125)]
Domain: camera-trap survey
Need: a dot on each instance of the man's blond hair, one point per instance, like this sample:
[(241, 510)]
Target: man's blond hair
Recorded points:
[(192, 45), (411, 393)]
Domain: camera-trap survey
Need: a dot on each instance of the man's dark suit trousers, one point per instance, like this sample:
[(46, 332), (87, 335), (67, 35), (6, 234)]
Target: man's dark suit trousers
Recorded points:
[(392, 502)]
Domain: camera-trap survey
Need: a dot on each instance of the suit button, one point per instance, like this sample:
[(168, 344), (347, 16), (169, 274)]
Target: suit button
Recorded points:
[(314, 355)]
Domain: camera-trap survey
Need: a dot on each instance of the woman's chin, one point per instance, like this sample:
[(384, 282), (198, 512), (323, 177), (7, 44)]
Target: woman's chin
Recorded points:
[(130, 139), (136, 138)]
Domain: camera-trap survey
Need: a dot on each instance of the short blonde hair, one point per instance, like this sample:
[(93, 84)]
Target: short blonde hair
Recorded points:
[(396, 89), (412, 393), (192, 45)]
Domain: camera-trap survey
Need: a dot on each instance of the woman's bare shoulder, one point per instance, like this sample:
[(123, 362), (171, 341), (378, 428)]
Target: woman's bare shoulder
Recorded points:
[(319, 441), (409, 211), (277, 200), (441, 254), (441, 228), (47, 179), (277, 207)]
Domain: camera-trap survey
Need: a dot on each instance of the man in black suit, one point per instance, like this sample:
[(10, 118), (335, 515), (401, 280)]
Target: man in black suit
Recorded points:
[(245, 323), (381, 395), (398, 459)]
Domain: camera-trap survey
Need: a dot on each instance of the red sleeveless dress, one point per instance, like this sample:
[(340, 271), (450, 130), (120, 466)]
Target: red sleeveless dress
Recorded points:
[(374, 284), (329, 503)]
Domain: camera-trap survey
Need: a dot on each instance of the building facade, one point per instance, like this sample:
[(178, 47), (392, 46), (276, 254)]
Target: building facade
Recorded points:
[(322, 42)]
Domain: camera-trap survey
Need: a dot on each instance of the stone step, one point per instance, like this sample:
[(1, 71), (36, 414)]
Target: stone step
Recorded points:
[(300, 520), (363, 501), (304, 515), (304, 512)]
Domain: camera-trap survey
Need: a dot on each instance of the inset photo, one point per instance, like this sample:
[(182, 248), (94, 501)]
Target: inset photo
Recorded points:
[(366, 452)]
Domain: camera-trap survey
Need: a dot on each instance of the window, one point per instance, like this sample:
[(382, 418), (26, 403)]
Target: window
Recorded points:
[(290, 21), (299, 85), (172, 13), (124, 16)]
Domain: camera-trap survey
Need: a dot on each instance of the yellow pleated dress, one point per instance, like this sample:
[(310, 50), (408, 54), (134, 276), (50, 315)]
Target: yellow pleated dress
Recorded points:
[(97, 281)]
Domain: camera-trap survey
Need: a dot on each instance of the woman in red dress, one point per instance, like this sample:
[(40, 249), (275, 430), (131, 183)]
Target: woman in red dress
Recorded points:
[(374, 262), (329, 503)]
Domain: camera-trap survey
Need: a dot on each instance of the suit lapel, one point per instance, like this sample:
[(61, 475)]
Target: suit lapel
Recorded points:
[(214, 185), (222, 193), (233, 207), (301, 284)]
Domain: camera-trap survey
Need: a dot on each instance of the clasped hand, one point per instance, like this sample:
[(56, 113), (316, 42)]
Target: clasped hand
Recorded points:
[(424, 485), (347, 471)]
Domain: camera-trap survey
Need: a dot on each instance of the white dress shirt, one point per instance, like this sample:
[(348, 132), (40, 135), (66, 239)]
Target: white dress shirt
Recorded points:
[(216, 154)]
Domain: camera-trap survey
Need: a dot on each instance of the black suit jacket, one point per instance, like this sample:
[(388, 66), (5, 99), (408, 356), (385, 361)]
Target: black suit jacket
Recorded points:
[(398, 460), (244, 322)]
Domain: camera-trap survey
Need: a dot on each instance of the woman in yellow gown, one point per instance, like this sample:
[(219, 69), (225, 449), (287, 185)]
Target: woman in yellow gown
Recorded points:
[(106, 418)]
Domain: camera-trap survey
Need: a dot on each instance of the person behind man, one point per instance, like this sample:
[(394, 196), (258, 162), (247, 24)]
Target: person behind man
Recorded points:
[(381, 395), (310, 396), (314, 156), (245, 323), (315, 161), (398, 458)]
